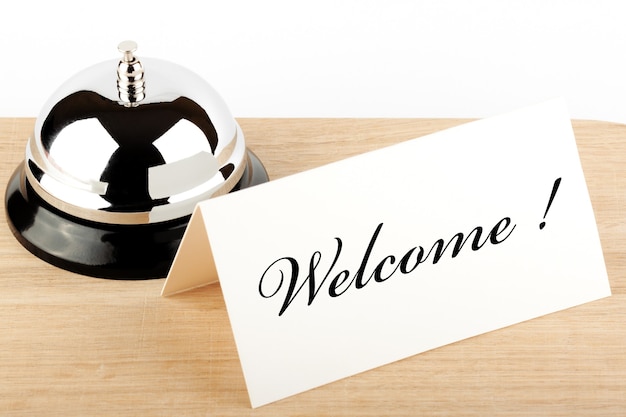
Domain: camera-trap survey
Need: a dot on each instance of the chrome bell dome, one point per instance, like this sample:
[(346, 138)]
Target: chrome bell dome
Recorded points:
[(120, 155)]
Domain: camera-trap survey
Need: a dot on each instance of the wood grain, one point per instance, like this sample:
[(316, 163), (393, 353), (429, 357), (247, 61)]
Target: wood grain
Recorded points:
[(72, 345)]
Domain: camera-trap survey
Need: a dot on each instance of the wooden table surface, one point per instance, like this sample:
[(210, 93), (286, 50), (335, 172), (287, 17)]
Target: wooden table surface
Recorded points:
[(73, 345)]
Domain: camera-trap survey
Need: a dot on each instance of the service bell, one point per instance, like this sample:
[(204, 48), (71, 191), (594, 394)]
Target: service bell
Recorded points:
[(120, 155)]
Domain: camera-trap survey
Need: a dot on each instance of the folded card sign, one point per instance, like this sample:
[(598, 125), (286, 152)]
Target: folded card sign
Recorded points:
[(366, 261)]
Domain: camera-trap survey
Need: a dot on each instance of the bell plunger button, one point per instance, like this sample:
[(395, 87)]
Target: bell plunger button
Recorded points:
[(130, 82)]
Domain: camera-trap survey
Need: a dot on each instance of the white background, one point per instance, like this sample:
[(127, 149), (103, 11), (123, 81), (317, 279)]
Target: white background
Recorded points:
[(336, 58)]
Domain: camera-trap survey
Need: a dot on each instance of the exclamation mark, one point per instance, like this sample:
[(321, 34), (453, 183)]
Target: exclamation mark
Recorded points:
[(555, 188)]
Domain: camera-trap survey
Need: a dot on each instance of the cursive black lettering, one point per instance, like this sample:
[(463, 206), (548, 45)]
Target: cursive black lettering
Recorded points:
[(405, 260), (288, 269), (378, 271), (293, 290), (440, 246), (495, 232), (359, 273), (292, 264)]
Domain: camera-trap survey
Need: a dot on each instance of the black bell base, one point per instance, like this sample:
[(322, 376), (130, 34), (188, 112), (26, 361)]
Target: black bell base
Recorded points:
[(128, 252)]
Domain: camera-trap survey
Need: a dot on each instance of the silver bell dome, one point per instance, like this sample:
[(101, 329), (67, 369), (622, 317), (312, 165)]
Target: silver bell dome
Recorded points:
[(134, 141), (120, 155)]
